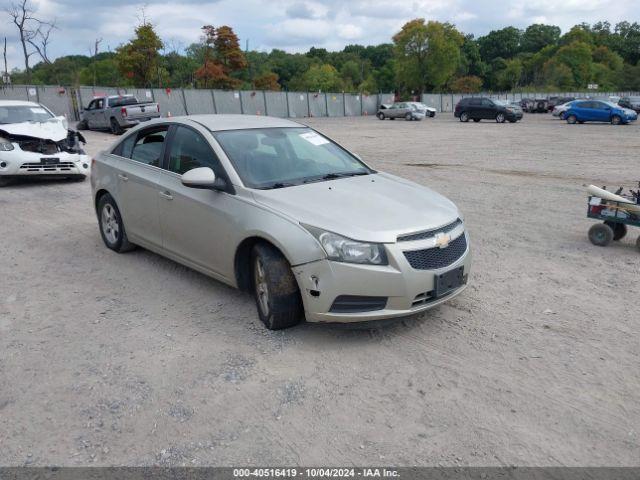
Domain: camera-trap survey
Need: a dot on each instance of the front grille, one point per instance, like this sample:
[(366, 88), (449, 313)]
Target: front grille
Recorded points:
[(429, 233), (40, 167), (435, 258), (356, 304)]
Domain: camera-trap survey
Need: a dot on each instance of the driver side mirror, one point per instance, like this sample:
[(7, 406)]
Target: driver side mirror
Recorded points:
[(204, 178)]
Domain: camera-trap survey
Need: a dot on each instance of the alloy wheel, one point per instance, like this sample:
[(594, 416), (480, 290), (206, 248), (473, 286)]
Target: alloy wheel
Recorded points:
[(262, 289), (110, 226)]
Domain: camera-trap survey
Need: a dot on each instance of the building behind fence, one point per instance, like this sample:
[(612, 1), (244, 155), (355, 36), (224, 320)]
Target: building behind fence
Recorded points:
[(69, 101)]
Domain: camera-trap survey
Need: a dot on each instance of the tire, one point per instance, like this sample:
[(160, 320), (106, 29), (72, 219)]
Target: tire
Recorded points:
[(601, 234), (619, 230), (512, 121), (572, 119), (275, 288), (432, 114), (500, 117), (476, 120), (408, 117), (392, 118), (111, 225), (116, 129), (616, 120), (464, 117), (638, 243), (82, 125), (380, 116), (4, 181)]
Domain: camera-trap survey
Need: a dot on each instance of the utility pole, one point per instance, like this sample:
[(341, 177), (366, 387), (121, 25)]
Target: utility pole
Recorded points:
[(5, 76), (96, 45)]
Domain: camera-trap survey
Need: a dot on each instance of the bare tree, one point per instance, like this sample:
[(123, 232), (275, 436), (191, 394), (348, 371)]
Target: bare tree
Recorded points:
[(94, 53), (5, 76), (32, 32)]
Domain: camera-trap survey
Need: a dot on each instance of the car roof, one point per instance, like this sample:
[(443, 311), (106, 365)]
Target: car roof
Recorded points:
[(120, 96), (17, 103), (219, 122)]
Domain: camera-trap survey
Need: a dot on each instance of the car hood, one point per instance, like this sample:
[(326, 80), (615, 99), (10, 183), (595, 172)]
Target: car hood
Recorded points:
[(374, 208), (53, 129)]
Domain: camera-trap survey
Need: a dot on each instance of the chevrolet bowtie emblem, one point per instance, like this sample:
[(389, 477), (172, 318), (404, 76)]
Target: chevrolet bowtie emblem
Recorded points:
[(442, 240)]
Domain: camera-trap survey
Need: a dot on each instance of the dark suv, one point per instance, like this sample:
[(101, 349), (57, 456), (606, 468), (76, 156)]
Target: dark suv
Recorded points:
[(478, 108)]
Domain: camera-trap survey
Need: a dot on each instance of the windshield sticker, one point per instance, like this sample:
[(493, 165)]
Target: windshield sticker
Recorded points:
[(37, 110), (314, 138)]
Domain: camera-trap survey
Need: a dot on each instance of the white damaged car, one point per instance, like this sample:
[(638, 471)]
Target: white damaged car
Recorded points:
[(34, 142)]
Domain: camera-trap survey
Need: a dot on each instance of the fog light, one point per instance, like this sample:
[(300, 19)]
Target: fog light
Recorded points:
[(3, 164), (85, 166)]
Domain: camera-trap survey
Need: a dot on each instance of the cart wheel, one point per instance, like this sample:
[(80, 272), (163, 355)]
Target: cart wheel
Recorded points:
[(601, 234), (619, 230)]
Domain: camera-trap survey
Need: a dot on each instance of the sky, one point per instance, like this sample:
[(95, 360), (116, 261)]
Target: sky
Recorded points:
[(293, 25)]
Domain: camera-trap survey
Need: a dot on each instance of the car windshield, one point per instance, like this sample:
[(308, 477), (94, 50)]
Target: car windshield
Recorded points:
[(283, 157), (23, 113)]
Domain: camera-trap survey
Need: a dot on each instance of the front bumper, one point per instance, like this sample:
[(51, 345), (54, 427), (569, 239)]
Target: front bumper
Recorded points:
[(19, 163), (322, 281)]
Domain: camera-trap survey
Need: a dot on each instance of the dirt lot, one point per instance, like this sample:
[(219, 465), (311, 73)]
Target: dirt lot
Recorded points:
[(110, 359)]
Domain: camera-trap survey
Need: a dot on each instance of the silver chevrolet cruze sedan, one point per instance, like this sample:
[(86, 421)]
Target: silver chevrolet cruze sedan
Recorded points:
[(275, 208)]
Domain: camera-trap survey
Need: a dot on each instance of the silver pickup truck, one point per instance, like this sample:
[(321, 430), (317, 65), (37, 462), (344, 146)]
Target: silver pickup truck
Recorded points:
[(116, 113)]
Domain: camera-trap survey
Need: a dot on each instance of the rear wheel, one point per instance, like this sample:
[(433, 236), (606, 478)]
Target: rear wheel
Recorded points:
[(381, 115), (476, 120), (619, 230), (616, 120), (111, 225), (432, 114), (500, 117), (408, 117), (116, 129), (464, 117), (275, 288), (82, 125), (601, 234), (572, 119)]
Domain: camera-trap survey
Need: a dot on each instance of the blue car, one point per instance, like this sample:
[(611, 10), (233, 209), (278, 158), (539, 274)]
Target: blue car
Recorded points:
[(598, 111)]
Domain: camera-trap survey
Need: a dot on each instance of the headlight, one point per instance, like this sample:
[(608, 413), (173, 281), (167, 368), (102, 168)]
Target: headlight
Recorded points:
[(5, 145), (342, 249)]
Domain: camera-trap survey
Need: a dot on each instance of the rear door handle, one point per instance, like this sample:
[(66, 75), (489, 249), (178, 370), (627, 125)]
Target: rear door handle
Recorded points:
[(123, 177), (166, 195)]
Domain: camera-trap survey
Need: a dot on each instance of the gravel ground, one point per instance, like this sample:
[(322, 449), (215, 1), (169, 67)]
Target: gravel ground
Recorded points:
[(110, 359)]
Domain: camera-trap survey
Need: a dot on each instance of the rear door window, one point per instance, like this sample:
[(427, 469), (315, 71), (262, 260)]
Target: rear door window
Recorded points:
[(148, 146)]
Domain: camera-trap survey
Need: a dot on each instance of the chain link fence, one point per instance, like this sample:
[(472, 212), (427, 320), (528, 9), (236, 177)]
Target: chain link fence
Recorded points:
[(69, 101)]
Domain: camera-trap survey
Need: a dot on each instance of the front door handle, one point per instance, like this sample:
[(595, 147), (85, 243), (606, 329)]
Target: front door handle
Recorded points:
[(166, 195), (123, 177)]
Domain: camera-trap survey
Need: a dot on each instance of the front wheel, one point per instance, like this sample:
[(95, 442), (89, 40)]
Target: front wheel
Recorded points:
[(380, 115), (500, 117), (408, 117), (464, 117), (616, 120), (432, 114), (601, 234), (572, 119), (275, 288), (111, 225), (82, 125)]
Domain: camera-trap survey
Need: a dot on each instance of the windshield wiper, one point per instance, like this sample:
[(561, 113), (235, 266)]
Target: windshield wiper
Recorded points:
[(277, 185), (333, 176)]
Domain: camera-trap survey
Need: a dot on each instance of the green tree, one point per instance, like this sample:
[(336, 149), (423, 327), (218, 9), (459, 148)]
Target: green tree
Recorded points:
[(427, 55), (467, 84), (576, 56), (538, 36), (504, 43), (320, 78), (139, 60), (509, 77), (557, 75)]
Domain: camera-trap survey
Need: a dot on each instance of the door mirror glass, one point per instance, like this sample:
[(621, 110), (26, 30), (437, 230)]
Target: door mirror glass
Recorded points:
[(201, 177)]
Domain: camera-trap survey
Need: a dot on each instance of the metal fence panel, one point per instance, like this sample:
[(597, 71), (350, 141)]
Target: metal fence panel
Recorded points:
[(298, 106), (276, 104), (227, 101), (432, 100), (317, 104), (198, 101), (58, 100), (449, 102), (10, 92), (352, 105), (252, 102), (369, 104), (335, 106), (171, 102)]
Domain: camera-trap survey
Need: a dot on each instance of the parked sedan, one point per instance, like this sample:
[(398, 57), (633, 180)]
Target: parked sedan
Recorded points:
[(36, 143), (406, 110), (632, 103), (599, 111), (478, 108), (273, 207), (425, 110)]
